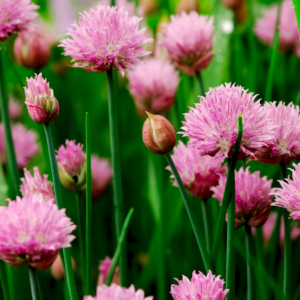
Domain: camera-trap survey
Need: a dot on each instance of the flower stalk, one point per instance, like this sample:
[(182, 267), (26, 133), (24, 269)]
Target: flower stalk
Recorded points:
[(4, 282), (200, 83), (206, 225), (34, 283), (249, 253), (296, 4)]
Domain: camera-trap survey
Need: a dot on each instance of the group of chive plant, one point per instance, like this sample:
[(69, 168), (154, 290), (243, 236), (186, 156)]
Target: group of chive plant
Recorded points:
[(227, 125)]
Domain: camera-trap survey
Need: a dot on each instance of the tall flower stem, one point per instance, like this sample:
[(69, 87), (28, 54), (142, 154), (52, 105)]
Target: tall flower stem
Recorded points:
[(191, 214), (121, 241), (117, 182), (228, 193), (268, 93), (9, 146), (59, 202), (206, 225), (296, 4), (4, 282), (249, 252), (88, 221), (200, 83), (34, 283)]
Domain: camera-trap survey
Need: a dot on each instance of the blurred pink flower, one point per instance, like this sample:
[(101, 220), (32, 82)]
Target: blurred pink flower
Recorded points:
[(25, 144), (102, 173), (104, 269), (287, 143), (32, 232), (41, 104), (252, 197), (71, 162), (212, 124), (127, 6), (288, 196), (15, 109), (198, 173), (35, 185), (188, 40), (15, 16), (57, 269), (153, 84), (288, 32), (116, 292), (105, 37), (208, 287)]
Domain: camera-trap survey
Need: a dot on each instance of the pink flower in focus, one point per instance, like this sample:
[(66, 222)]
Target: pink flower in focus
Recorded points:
[(198, 173), (212, 124), (188, 40), (32, 232), (252, 197), (102, 173), (15, 109), (208, 287), (104, 269), (265, 27), (288, 196), (41, 104), (15, 16), (116, 292), (287, 143), (153, 84), (25, 144), (35, 185), (127, 6), (106, 37), (71, 162)]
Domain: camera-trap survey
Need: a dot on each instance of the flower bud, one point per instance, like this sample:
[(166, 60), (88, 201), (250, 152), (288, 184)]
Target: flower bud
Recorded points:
[(57, 269), (41, 104), (187, 6), (148, 6), (32, 50), (232, 4), (158, 134), (240, 13)]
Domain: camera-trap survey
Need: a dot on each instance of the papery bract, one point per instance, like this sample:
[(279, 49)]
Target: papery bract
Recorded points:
[(103, 272)]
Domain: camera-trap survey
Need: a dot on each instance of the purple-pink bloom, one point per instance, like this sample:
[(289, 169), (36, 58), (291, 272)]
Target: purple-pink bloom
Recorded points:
[(116, 292), (41, 104), (15, 109), (15, 16), (103, 272), (212, 124), (33, 231), (188, 40), (265, 27), (288, 196), (153, 84), (25, 144), (35, 185), (102, 174), (198, 173), (252, 197), (286, 146), (106, 37), (200, 287)]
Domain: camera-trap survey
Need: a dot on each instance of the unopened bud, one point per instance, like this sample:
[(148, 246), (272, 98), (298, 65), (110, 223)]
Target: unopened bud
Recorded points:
[(240, 13), (148, 6), (158, 134), (187, 6)]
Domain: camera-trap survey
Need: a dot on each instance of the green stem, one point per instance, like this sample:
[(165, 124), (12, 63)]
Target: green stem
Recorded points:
[(112, 3), (269, 85), (200, 83), (88, 226), (228, 193), (191, 214), (34, 283), (296, 4), (117, 182), (118, 251), (59, 202), (4, 282), (249, 251), (206, 225), (9, 146)]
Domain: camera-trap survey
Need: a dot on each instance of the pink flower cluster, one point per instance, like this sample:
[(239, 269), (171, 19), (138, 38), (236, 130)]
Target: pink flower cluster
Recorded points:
[(104, 269), (15, 109)]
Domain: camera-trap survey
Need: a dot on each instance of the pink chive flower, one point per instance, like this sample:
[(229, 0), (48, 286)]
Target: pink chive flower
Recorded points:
[(35, 185), (188, 40), (71, 162), (153, 84), (15, 109), (15, 16), (288, 196), (265, 27), (32, 232), (104, 269), (198, 173), (252, 197), (212, 124), (116, 292), (208, 287), (106, 37), (41, 104), (102, 174), (128, 6), (287, 143), (25, 144)]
